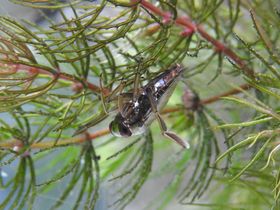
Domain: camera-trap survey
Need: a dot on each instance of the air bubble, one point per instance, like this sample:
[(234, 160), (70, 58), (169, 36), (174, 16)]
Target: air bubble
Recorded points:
[(16, 148), (4, 174)]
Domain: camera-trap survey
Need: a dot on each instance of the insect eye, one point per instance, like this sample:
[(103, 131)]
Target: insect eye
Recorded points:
[(124, 131), (119, 129)]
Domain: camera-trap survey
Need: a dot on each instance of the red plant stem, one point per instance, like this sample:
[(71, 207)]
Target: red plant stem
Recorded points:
[(64, 76), (152, 8), (213, 98), (228, 93), (77, 140), (192, 27), (93, 136), (227, 51), (79, 85), (49, 144)]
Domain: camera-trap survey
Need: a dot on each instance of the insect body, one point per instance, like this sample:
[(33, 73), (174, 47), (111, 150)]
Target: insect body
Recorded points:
[(137, 113)]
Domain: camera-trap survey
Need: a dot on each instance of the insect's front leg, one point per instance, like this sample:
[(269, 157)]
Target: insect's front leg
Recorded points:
[(116, 92), (117, 95), (125, 105), (163, 127), (136, 84)]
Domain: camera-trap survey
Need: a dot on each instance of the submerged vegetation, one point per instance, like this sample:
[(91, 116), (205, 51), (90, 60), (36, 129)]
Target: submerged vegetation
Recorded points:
[(56, 78)]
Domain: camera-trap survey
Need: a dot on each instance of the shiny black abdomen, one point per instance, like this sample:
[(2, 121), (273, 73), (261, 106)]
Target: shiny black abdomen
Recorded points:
[(141, 112), (163, 83)]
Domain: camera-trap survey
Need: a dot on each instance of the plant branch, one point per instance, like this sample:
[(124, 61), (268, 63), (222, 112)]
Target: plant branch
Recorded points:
[(212, 99), (49, 144), (92, 136), (191, 27), (77, 83), (228, 93)]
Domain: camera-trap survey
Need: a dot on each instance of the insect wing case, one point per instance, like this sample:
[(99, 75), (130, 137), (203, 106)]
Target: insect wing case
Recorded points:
[(163, 85)]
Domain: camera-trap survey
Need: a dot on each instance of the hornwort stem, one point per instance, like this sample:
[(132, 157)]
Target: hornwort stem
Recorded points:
[(93, 136), (228, 93), (61, 75), (192, 27)]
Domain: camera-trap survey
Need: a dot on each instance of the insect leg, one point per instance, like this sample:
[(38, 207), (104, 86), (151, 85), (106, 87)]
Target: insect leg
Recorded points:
[(163, 127), (136, 84), (117, 95), (114, 94), (124, 100)]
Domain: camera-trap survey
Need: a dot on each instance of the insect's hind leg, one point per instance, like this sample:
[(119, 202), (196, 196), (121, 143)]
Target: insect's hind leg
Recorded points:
[(163, 127)]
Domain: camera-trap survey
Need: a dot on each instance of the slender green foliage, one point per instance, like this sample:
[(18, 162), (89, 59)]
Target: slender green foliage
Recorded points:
[(60, 82)]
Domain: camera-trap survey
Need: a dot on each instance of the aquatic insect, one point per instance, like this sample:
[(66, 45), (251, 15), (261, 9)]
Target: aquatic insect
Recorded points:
[(142, 106)]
